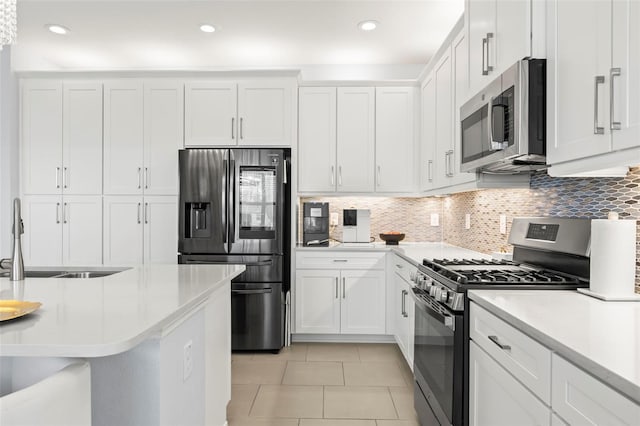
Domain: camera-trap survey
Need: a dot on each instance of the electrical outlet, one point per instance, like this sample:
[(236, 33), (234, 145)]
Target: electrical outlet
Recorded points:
[(467, 221), (333, 219), (503, 223), (187, 361), (435, 219)]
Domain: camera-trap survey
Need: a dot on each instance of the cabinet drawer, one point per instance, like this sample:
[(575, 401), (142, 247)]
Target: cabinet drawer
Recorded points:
[(582, 399), (339, 260), (526, 359), (402, 267)]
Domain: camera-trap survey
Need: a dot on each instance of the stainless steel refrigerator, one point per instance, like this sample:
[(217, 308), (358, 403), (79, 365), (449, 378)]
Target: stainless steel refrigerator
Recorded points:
[(234, 208)]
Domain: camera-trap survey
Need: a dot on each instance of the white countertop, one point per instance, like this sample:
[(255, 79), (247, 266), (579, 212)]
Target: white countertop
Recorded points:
[(413, 252), (96, 317), (603, 338)]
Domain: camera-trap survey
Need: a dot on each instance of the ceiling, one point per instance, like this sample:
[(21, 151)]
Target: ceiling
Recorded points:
[(165, 34)]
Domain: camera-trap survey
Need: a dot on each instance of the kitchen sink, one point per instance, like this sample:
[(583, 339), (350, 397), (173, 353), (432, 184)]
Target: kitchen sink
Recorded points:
[(65, 273)]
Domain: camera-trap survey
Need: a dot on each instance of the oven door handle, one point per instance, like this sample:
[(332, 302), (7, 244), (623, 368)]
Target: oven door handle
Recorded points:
[(446, 320)]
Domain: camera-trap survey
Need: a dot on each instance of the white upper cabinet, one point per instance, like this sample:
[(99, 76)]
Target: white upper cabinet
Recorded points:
[(356, 139), (61, 137), (249, 113), (123, 137), (265, 113), (317, 139), (499, 34), (163, 136), (143, 133), (444, 161), (210, 110), (41, 148), (395, 139), (82, 138), (593, 80)]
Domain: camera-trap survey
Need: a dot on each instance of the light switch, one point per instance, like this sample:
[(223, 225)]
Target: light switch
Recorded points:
[(503, 223), (467, 221), (333, 219), (435, 219)]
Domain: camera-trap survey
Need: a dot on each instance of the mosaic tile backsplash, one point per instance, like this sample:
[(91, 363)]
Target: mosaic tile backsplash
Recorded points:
[(568, 197)]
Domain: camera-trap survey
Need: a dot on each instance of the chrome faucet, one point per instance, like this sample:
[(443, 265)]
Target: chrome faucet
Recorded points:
[(17, 265)]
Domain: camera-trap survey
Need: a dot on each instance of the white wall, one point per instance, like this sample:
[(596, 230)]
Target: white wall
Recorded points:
[(8, 148)]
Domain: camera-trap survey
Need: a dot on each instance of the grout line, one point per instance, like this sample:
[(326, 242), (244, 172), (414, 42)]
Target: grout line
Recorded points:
[(323, 399), (253, 401), (393, 402), (344, 377)]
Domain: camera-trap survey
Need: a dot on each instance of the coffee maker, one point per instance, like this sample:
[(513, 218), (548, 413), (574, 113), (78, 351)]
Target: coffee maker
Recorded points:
[(356, 225), (315, 224)]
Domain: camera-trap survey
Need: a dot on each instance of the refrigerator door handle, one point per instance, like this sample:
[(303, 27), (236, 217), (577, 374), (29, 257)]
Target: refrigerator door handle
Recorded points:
[(232, 202), (225, 165)]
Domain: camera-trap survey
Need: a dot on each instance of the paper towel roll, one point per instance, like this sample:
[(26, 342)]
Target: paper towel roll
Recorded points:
[(613, 257)]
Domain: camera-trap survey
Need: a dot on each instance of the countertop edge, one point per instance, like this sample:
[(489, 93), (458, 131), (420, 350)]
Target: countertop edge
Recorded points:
[(95, 351), (630, 389)]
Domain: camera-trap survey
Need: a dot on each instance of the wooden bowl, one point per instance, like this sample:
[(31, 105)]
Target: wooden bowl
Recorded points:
[(392, 239)]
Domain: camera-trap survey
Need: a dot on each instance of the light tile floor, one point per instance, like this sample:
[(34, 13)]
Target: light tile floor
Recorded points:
[(322, 384)]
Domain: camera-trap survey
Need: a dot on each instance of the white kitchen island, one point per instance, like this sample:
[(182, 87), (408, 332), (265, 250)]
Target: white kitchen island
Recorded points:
[(158, 338)]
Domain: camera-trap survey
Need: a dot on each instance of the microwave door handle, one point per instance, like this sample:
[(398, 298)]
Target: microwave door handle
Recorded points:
[(490, 123)]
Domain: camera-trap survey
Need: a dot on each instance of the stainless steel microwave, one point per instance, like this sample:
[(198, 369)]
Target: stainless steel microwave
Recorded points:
[(503, 128)]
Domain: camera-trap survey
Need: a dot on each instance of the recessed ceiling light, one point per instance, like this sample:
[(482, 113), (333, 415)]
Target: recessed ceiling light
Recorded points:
[(57, 29), (207, 28), (368, 25)]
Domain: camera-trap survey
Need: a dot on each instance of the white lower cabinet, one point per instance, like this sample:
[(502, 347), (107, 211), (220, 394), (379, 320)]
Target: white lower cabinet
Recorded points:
[(582, 399), (512, 382), (496, 398), (340, 295), (140, 229), (62, 230), (404, 318)]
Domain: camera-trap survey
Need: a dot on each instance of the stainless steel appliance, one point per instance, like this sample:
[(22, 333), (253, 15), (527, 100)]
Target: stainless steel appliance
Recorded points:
[(356, 226), (315, 224), (503, 127), (234, 208), (549, 253)]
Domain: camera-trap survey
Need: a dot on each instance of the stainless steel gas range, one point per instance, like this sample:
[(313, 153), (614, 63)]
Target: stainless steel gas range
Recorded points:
[(549, 253)]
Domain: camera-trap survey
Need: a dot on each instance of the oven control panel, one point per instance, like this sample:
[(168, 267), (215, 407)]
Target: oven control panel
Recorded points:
[(438, 292)]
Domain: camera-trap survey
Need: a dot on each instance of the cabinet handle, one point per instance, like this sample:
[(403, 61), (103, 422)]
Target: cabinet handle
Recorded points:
[(399, 266), (65, 177), (233, 124), (339, 175), (484, 46), (494, 339), (597, 130), (430, 170), (146, 178), (332, 175), (489, 67), (340, 260), (449, 163), (65, 212), (138, 212), (615, 125), (241, 130), (404, 303), (57, 212), (146, 212), (139, 177), (58, 177), (378, 175), (337, 287), (344, 288)]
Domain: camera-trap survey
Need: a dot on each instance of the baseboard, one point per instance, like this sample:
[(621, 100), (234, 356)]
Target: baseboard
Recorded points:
[(343, 338)]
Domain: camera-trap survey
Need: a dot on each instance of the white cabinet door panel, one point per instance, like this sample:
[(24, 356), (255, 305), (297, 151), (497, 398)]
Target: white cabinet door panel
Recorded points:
[(583, 400), (480, 16), (210, 110), (123, 137), (579, 50), (512, 39), (41, 148), (444, 120), (317, 301), (428, 143), (82, 138), (626, 87), (163, 136), (363, 302), (82, 230), (42, 239), (497, 399), (317, 139), (265, 113), (356, 139), (395, 143), (160, 229), (123, 230)]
